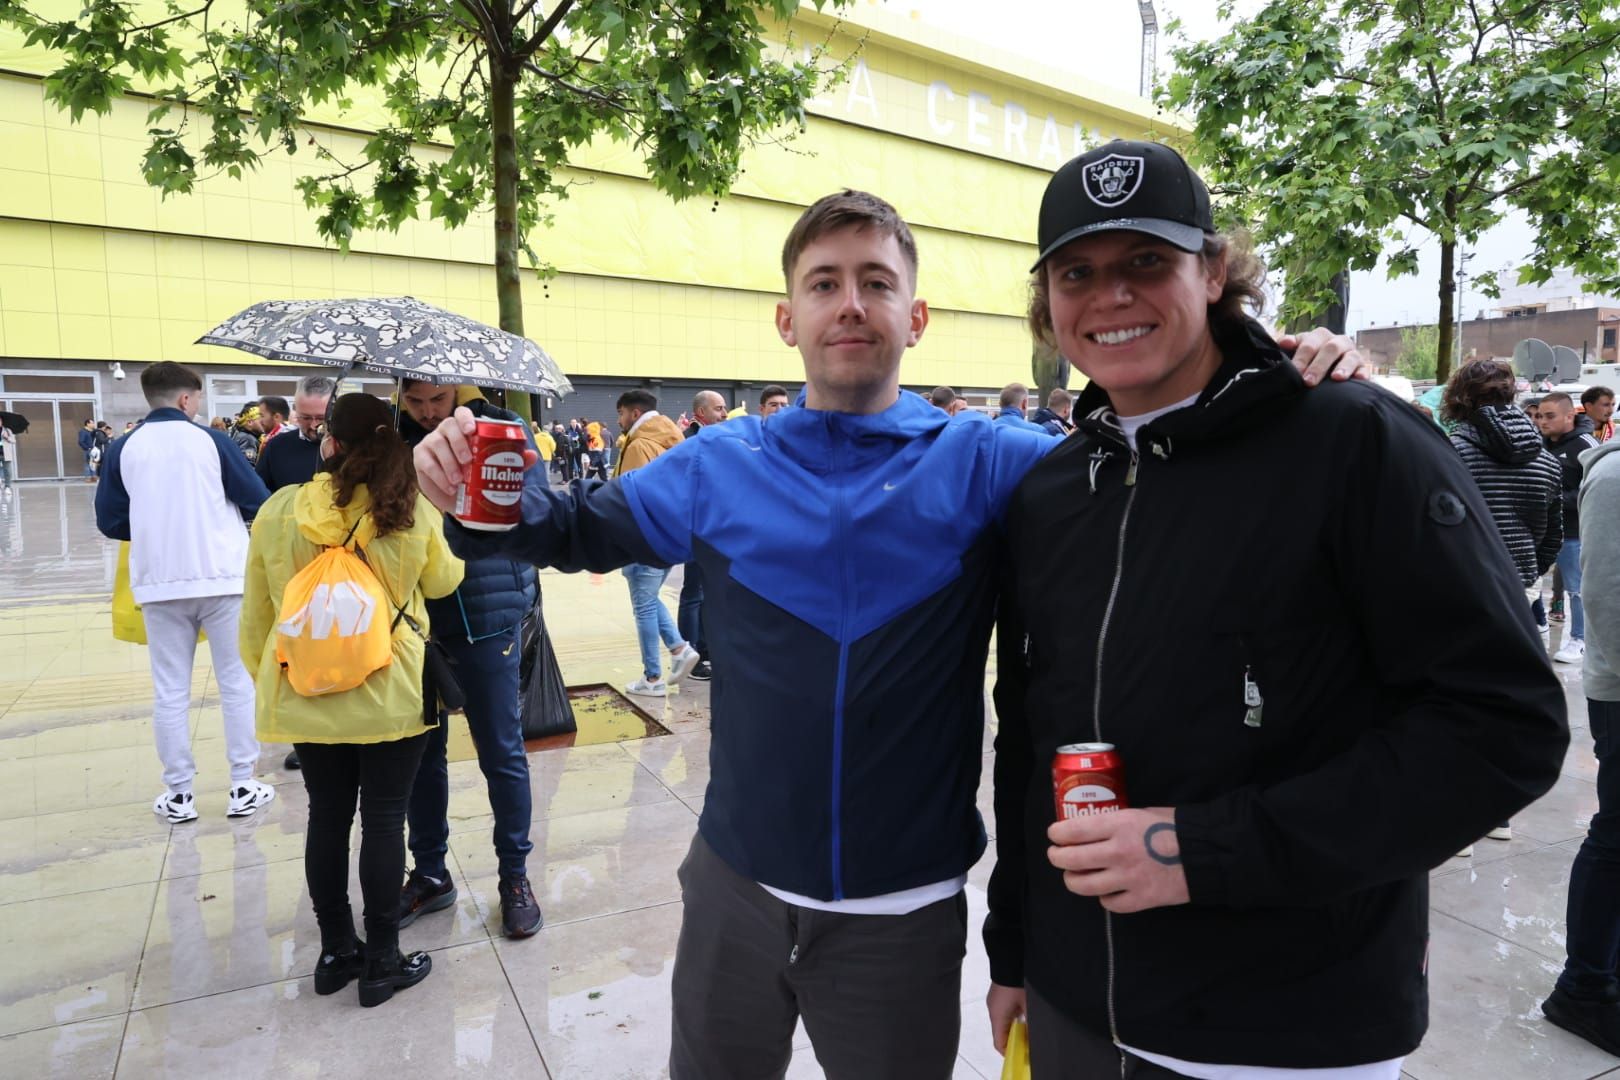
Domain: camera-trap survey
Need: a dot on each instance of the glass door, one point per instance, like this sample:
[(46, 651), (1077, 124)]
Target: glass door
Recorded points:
[(38, 448)]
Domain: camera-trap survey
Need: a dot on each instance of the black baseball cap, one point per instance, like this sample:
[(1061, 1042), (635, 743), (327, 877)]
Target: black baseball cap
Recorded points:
[(1132, 186)]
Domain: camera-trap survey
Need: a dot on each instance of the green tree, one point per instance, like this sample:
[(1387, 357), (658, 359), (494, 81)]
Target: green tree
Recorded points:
[(1339, 129), (510, 86), (1420, 352)]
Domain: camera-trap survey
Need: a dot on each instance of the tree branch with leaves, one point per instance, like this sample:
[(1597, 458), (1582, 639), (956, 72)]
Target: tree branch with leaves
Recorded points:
[(1347, 130)]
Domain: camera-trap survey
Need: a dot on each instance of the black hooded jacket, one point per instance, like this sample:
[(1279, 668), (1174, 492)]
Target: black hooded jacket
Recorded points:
[(1521, 482), (1568, 448), (1264, 544)]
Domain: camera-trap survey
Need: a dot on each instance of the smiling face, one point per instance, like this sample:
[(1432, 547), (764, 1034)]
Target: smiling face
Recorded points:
[(852, 314), (1132, 313)]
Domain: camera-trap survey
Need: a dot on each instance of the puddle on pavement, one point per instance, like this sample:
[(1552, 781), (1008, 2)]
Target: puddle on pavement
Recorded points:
[(602, 714)]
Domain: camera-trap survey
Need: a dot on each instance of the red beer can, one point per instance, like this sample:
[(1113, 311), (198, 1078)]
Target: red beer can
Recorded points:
[(1087, 779), (491, 487)]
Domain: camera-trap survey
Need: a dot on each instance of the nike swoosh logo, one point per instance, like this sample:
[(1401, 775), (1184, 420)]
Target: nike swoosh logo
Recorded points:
[(888, 487), (755, 449)]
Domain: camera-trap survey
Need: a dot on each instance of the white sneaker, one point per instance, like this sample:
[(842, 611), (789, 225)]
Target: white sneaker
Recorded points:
[(1545, 628), (175, 807), (681, 665), (1571, 653), (648, 689), (1501, 832), (1466, 852), (247, 797)]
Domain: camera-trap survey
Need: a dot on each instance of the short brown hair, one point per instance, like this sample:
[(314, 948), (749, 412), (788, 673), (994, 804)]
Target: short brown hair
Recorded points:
[(166, 380), (1477, 385), (1595, 394), (1244, 293), (771, 391), (1014, 393), (942, 396), (1058, 396), (847, 209), (1558, 397)]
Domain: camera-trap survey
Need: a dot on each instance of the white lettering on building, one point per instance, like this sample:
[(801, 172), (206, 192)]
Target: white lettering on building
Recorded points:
[(937, 90), (1014, 122), (978, 119), (857, 96)]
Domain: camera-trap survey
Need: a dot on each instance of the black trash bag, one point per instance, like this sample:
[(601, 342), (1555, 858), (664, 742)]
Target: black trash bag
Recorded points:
[(542, 696)]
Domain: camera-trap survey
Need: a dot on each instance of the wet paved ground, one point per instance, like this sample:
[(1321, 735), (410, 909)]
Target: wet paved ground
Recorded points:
[(139, 950)]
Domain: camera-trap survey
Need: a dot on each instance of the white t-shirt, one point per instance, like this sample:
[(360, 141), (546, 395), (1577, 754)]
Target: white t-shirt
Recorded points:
[(1132, 424), (1380, 1070), (903, 902)]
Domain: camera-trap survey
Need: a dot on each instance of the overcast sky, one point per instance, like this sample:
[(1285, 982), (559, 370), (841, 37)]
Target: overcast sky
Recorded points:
[(1102, 40)]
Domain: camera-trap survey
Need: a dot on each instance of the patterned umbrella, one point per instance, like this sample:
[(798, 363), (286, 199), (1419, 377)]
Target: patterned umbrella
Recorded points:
[(398, 336)]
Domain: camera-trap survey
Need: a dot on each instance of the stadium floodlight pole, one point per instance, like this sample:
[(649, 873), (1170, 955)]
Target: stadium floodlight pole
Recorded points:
[(1150, 44)]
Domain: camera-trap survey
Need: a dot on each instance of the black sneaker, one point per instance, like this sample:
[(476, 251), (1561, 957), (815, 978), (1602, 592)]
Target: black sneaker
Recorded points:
[(520, 912), (335, 970), (383, 977), (423, 894), (703, 672), (291, 761), (1598, 1022)]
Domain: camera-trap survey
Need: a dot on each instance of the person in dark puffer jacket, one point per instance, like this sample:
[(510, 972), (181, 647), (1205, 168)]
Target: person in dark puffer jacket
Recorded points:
[(1520, 479), (480, 625)]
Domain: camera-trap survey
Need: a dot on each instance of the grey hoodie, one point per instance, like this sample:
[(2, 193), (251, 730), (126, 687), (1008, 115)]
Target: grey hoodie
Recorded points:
[(1600, 571)]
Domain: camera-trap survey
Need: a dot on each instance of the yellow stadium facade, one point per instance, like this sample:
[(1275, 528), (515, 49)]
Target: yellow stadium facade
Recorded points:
[(100, 275)]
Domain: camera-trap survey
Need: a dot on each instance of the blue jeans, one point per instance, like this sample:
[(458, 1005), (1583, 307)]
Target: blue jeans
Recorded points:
[(690, 616), (1592, 971), (652, 617), (1569, 564), (89, 466), (488, 673)]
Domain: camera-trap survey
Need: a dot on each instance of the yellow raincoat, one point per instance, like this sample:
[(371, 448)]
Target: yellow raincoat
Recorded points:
[(289, 531)]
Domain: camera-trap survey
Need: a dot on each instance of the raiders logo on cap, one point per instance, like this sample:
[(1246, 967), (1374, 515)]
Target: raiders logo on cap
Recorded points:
[(1113, 180)]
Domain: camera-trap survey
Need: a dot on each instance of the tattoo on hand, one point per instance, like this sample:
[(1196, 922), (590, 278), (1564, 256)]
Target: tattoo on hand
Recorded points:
[(1147, 842)]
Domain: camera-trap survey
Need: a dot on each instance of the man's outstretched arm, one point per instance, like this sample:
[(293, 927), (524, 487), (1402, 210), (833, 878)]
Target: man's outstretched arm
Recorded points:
[(590, 526)]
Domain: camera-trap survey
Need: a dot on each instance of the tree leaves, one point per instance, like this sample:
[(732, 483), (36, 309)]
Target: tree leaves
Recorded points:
[(1340, 125)]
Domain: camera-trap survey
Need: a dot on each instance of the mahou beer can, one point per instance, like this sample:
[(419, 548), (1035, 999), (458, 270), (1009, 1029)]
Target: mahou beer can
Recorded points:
[(491, 485), (1087, 779)]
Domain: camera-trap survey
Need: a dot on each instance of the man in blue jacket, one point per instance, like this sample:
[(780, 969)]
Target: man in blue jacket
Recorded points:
[(480, 625), (839, 825)]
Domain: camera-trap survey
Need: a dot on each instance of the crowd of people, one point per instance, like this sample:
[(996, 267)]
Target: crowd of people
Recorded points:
[(1296, 756)]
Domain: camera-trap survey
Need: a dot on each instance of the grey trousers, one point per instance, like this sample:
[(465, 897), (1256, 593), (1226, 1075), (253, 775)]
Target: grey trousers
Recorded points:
[(880, 995), (1060, 1049)]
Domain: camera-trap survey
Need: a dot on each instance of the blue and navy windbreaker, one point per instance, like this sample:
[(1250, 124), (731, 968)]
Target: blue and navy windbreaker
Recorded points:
[(849, 585)]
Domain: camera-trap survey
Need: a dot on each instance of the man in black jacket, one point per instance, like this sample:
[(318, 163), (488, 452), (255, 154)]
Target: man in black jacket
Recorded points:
[(1295, 762), (480, 626), (293, 456), (1569, 435)]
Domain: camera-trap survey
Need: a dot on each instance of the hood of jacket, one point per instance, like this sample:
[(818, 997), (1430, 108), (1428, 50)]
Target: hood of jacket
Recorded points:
[(659, 430), (322, 521), (1255, 379), (1593, 456), (1504, 433)]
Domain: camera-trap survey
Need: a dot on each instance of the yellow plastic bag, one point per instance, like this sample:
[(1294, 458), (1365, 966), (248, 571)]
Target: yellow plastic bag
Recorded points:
[(1015, 1066), (128, 624)]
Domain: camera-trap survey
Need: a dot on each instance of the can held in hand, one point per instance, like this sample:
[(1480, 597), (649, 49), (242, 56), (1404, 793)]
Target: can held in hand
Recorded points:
[(490, 494), (1087, 779)]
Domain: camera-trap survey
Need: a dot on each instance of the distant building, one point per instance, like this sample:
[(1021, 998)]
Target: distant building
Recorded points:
[(1559, 312)]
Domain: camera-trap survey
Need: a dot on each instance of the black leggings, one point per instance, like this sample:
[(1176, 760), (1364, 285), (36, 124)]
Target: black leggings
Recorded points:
[(380, 776)]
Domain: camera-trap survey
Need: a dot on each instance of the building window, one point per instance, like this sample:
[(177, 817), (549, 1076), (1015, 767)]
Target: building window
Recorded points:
[(1608, 337), (50, 384)]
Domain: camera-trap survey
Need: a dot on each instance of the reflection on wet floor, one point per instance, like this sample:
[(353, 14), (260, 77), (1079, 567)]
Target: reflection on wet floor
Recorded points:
[(142, 950)]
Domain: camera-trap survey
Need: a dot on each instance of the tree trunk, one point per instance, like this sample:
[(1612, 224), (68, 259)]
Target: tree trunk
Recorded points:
[(1448, 305), (508, 277), (1050, 371)]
